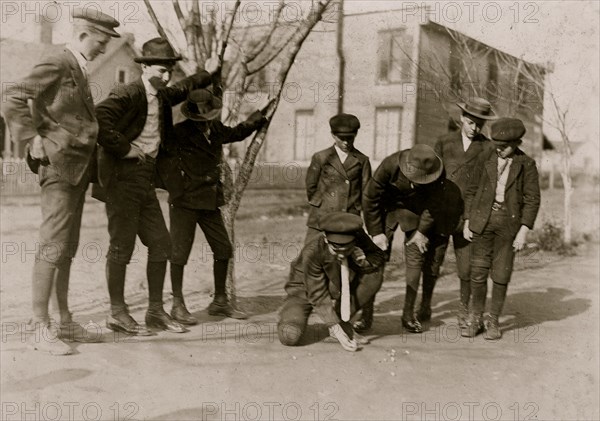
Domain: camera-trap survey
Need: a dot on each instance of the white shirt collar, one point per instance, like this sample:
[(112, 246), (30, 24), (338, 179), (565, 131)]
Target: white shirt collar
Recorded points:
[(465, 141), (341, 154), (81, 60), (150, 90)]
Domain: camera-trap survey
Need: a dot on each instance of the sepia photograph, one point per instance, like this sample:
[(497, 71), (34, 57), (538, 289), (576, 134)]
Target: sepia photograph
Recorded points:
[(300, 210)]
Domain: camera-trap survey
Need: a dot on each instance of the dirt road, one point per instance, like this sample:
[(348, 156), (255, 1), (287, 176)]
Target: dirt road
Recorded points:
[(545, 367)]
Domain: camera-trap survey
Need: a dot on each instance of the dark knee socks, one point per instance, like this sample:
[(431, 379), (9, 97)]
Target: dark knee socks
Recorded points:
[(428, 286), (220, 274), (115, 278), (478, 294), (498, 298), (155, 271), (465, 291), (409, 303), (177, 280)]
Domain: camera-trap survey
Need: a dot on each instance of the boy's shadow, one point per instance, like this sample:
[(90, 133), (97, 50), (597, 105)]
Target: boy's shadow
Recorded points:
[(523, 309)]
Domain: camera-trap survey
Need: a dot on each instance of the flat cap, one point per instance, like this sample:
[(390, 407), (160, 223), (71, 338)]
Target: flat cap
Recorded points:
[(340, 227), (507, 130), (344, 124), (97, 20)]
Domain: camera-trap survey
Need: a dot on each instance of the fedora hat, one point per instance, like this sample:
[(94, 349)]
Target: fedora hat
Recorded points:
[(157, 50), (202, 105), (477, 107), (421, 165)]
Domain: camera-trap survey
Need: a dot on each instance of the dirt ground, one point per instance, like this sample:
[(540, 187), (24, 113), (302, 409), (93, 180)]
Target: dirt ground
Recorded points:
[(546, 367)]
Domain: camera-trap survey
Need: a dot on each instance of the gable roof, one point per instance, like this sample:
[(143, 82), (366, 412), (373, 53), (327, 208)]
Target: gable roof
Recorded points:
[(18, 57), (16, 63), (126, 42)]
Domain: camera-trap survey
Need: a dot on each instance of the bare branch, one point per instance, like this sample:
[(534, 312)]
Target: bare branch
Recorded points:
[(225, 38), (155, 20), (198, 33), (260, 48), (188, 33), (286, 64), (274, 55)]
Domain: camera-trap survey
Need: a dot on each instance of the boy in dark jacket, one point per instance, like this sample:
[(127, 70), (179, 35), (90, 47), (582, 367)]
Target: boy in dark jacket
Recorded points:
[(409, 190), (135, 123), (501, 204), (338, 175), (459, 150), (335, 274), (190, 169)]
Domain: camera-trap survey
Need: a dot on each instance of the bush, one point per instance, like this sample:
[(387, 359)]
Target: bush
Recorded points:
[(551, 238)]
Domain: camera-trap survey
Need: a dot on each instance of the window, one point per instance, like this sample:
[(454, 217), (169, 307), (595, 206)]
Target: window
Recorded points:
[(392, 53), (304, 135), (388, 139), (122, 75)]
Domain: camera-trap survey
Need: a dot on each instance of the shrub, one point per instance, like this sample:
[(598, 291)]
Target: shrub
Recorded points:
[(551, 238)]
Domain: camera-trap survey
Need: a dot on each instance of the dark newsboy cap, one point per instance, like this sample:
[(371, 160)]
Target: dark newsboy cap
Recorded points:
[(507, 130), (97, 20), (340, 227), (344, 124)]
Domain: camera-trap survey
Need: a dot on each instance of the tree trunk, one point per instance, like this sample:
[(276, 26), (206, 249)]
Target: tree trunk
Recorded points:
[(286, 60), (568, 191)]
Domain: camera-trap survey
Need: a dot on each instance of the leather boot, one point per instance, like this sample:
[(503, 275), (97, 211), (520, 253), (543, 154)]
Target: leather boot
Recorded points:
[(463, 315), (492, 329), (180, 313), (157, 317), (474, 325), (220, 306), (424, 313), (121, 321), (366, 320)]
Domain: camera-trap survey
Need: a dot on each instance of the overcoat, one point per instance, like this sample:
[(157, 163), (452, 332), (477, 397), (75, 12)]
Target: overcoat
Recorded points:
[(332, 186)]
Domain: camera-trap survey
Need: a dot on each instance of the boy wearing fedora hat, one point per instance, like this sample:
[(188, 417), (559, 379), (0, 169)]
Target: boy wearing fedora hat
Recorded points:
[(501, 204), (459, 151), (409, 190), (190, 168), (53, 110), (338, 175), (335, 274), (135, 122)]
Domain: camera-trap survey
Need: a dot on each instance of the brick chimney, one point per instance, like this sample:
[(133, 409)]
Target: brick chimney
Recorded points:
[(43, 30)]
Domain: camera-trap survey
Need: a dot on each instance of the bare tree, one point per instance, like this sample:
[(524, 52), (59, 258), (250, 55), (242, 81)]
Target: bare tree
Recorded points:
[(252, 50), (536, 80), (460, 78)]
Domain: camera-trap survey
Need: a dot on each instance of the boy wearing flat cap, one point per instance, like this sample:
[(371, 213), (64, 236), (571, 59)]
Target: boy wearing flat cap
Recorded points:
[(53, 110), (337, 176), (459, 151), (135, 122), (409, 190), (189, 166), (501, 204), (335, 274)]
